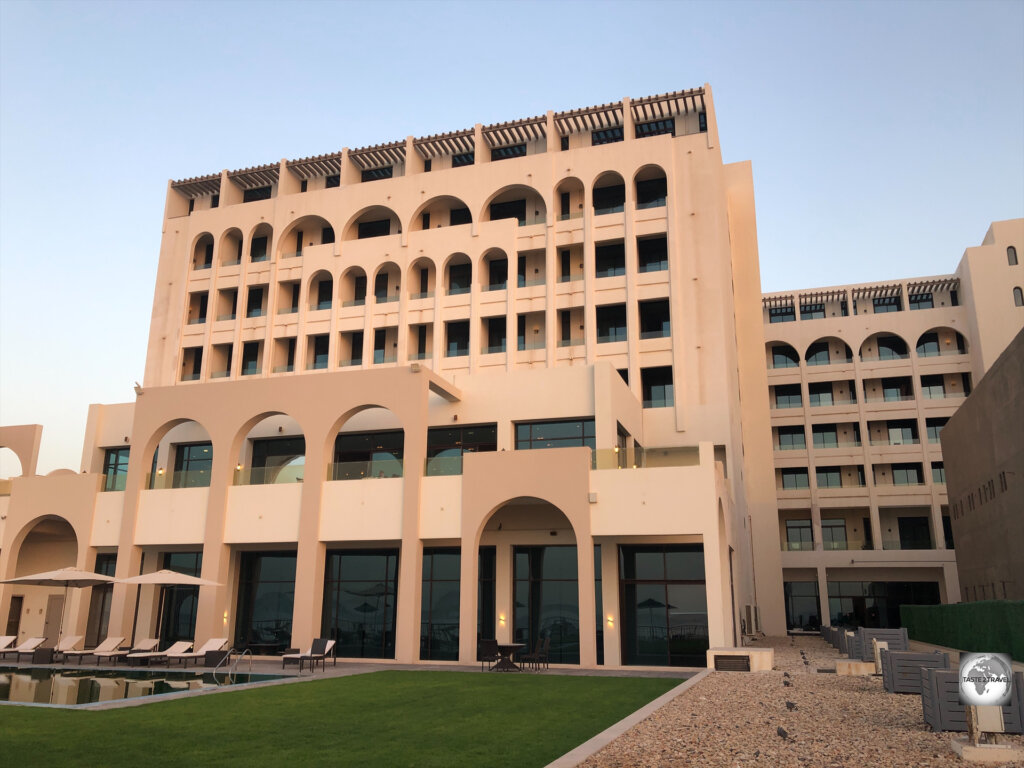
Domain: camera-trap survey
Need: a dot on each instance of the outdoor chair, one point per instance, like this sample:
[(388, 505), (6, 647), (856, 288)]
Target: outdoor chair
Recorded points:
[(539, 655), (108, 645), (6, 641), (148, 657), (27, 647), (488, 653), (67, 644), (321, 648), (214, 644), (141, 646)]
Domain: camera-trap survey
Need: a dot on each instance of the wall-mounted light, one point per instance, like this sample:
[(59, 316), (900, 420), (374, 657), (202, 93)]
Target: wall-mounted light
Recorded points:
[(225, 617), (160, 471), (238, 467), (611, 621), (501, 618)]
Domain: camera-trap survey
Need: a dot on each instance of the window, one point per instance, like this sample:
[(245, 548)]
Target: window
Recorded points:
[(192, 364), (254, 303), (802, 605), (1018, 297), (376, 174), (883, 304), (817, 353), (319, 348), (278, 460), (258, 249), (933, 386), (250, 358), (902, 432), (495, 334), (794, 479), (610, 199), (457, 343), (380, 287), (833, 534), (505, 153), (459, 216), (214, 201), (611, 323), (654, 319), (376, 455), (906, 474), (304, 185), (459, 278), (934, 427), (606, 136), (891, 348), (784, 356), (828, 477), (788, 396), (702, 122), (781, 314), (323, 294), (334, 180), (206, 260), (655, 128), (511, 209), (1011, 256), (192, 463), (820, 394), (427, 165), (920, 301), (792, 438), (567, 433), (825, 436), (564, 143), (928, 345), (259, 193), (656, 384), (439, 614), (497, 274), (360, 602), (355, 348), (610, 259), (938, 473), (379, 228), (446, 446), (812, 311), (115, 468), (652, 254), (327, 235), (463, 158), (651, 193), (425, 220), (915, 533)]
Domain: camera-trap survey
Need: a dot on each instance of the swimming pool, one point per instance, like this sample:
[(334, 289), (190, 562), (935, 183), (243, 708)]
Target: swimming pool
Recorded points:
[(72, 687)]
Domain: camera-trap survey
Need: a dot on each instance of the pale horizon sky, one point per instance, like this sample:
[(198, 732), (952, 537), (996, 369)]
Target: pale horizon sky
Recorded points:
[(884, 137)]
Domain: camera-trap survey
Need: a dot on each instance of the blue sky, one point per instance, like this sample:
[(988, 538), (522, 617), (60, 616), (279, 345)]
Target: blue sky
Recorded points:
[(884, 137)]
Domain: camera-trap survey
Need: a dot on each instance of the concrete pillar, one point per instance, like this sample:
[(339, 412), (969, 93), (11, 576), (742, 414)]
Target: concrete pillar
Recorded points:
[(504, 598), (826, 619), (610, 604), (468, 585), (587, 615)]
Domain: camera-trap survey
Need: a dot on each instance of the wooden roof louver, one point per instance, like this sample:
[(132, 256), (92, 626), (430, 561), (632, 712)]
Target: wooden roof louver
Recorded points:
[(316, 167), (589, 119), (198, 186), (257, 176), (378, 156), (666, 105), (777, 302), (515, 132), (823, 296), (879, 291), (454, 143), (934, 284)]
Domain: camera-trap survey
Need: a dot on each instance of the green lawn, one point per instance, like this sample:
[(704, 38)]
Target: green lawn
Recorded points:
[(382, 719)]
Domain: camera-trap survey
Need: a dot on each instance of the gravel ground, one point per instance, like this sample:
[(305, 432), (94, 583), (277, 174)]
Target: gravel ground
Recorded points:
[(793, 716)]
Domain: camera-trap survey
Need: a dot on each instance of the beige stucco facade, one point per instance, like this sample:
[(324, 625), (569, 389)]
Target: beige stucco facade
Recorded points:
[(508, 277)]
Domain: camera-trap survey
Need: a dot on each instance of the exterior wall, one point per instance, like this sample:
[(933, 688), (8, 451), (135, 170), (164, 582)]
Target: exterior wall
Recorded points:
[(984, 448)]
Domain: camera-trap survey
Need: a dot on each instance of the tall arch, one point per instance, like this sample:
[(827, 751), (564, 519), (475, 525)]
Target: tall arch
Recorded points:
[(609, 193), (372, 221), (569, 196), (261, 240), (306, 231), (440, 211), (230, 248), (651, 186), (515, 201)]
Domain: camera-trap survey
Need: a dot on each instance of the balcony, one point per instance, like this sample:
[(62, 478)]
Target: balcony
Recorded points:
[(286, 475), (372, 469)]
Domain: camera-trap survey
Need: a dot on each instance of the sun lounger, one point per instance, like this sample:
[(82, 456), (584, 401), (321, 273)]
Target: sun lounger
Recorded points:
[(215, 644), (148, 657), (6, 641), (66, 644), (27, 647), (141, 646), (107, 646), (318, 651)]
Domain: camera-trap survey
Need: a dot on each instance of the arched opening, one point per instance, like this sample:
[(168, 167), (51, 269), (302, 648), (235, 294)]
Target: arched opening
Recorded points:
[(1011, 256), (828, 350), (1018, 297), (781, 355), (422, 279), (375, 221), (183, 458), (231, 247), (609, 193), (651, 187), (306, 232), (36, 611), (387, 283), (495, 270), (883, 346), (260, 242), (272, 453), (352, 287), (941, 341), (321, 289), (202, 252), (536, 541), (442, 211), (519, 202), (569, 195), (370, 444), (458, 274), (10, 464)]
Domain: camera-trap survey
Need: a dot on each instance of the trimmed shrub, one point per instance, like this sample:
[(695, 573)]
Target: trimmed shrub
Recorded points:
[(988, 625)]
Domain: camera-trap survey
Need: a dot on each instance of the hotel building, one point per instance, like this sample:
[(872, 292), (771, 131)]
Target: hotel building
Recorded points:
[(502, 382)]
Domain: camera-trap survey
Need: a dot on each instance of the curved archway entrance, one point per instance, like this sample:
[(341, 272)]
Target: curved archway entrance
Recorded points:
[(36, 611)]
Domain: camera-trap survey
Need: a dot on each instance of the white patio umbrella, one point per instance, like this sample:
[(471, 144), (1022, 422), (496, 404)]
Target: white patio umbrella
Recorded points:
[(170, 579), (62, 577)]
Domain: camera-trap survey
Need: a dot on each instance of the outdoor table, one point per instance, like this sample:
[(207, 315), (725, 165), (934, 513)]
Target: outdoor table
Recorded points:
[(506, 651)]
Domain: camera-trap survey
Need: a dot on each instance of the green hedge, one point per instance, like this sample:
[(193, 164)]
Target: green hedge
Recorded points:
[(990, 625)]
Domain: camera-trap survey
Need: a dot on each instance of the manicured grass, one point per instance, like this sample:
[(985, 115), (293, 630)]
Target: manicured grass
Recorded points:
[(391, 718)]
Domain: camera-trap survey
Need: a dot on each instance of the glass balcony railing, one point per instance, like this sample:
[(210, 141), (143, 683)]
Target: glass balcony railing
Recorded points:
[(364, 470), (522, 282), (204, 266), (230, 316), (646, 458), (292, 255), (286, 475), (354, 302), (284, 368), (379, 357), (287, 310), (382, 299), (190, 377), (114, 482), (619, 208), (350, 363), (160, 480), (422, 295), (443, 465), (570, 342), (503, 285), (420, 355), (613, 335), (458, 290), (256, 312), (322, 305), (197, 320), (569, 216), (657, 202), (220, 374), (523, 346), (493, 350), (798, 546)]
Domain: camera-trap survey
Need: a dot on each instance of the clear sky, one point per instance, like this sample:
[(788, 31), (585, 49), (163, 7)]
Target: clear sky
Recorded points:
[(884, 137)]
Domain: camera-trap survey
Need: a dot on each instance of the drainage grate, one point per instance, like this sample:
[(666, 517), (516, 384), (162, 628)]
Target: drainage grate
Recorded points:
[(732, 663), (826, 671)]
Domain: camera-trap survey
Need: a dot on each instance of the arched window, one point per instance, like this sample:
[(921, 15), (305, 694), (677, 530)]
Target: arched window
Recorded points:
[(1018, 297), (1011, 255)]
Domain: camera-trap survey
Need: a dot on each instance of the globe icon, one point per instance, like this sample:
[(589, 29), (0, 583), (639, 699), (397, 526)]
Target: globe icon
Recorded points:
[(985, 679)]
